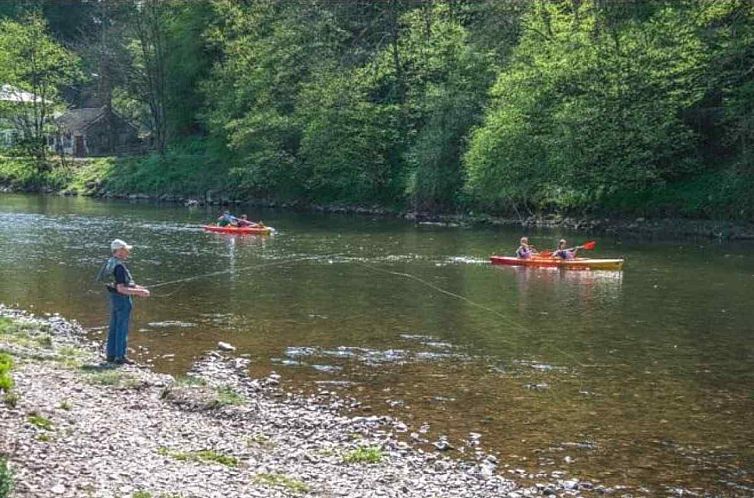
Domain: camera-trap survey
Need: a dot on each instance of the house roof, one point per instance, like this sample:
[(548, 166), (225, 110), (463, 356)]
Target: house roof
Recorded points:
[(9, 93), (80, 119)]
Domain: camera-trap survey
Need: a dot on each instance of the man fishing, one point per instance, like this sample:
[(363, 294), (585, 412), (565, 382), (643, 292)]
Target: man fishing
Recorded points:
[(121, 286)]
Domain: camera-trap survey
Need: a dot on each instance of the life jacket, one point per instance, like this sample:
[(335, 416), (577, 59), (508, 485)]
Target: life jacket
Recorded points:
[(106, 274), (523, 252)]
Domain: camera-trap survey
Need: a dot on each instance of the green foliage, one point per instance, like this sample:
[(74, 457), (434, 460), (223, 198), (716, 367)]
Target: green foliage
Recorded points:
[(190, 380), (349, 145), (147, 494), (186, 66), (25, 174), (228, 396), (6, 365), (364, 454), (268, 49), (40, 422), (504, 107), (188, 170), (11, 399), (6, 479), (282, 481), (200, 456), (32, 61), (595, 106), (115, 378), (585, 110)]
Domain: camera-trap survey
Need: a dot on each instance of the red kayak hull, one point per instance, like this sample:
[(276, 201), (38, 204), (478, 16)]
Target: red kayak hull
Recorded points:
[(567, 264), (238, 230)]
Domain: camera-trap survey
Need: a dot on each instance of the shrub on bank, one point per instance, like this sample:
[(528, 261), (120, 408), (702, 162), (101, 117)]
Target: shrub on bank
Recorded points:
[(6, 364), (6, 479), (22, 174)]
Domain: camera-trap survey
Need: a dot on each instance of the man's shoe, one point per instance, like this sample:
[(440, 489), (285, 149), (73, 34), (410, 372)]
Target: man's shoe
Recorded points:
[(124, 361), (110, 359)]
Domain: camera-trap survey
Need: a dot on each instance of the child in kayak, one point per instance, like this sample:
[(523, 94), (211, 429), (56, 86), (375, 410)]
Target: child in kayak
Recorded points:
[(565, 253), (525, 251)]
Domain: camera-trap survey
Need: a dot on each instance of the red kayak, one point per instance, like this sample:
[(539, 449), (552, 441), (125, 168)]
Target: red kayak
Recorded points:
[(238, 230), (568, 264)]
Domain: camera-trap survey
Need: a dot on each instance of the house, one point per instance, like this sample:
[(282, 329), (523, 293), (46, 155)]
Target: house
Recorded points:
[(94, 131), (11, 100)]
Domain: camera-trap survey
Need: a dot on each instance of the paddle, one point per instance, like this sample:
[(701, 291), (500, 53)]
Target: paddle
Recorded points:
[(586, 245)]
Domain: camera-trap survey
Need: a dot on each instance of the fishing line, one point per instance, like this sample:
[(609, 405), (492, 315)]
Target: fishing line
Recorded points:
[(443, 291), (508, 320), (231, 270)]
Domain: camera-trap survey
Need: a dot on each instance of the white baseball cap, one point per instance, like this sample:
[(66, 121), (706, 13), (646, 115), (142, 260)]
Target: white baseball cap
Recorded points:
[(119, 244)]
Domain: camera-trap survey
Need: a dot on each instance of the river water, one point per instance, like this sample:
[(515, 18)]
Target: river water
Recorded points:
[(642, 378)]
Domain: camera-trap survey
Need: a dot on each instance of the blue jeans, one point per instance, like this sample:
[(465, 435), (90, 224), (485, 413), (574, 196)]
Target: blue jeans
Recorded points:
[(120, 316)]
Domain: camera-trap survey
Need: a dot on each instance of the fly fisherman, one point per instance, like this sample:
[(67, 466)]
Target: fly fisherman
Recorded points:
[(121, 287)]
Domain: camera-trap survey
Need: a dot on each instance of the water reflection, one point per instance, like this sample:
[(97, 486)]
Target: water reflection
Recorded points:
[(583, 289)]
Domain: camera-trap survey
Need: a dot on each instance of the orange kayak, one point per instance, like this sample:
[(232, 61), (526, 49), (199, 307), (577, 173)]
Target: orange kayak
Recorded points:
[(567, 264), (238, 230)]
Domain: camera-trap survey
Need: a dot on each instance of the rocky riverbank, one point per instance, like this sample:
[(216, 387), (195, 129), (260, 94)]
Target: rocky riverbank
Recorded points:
[(74, 427)]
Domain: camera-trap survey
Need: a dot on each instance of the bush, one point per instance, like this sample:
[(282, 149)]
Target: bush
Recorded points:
[(364, 454), (6, 479), (6, 364)]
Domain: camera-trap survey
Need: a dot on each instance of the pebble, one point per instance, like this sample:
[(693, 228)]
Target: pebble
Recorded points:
[(224, 346)]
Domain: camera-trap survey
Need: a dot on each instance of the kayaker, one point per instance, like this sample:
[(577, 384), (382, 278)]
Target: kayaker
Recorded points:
[(243, 221), (121, 286), (565, 253), (227, 219), (525, 251)]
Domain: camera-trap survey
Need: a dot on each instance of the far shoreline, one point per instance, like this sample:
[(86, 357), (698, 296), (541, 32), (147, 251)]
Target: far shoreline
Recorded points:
[(671, 227)]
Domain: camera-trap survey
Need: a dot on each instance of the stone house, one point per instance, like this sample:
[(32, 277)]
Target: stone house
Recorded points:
[(94, 131)]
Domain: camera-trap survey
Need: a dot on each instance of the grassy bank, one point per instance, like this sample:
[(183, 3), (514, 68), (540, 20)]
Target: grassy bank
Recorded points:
[(184, 173), (195, 172)]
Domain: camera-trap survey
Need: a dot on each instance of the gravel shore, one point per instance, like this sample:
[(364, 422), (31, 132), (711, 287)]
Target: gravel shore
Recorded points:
[(75, 427)]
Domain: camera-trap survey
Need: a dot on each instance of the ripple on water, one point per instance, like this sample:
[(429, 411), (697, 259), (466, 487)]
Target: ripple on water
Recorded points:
[(427, 340), (466, 260), (170, 324), (372, 357), (296, 351), (327, 368), (542, 367), (287, 362)]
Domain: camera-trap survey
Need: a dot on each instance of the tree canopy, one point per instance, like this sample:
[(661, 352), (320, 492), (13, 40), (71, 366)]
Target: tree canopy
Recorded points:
[(511, 106)]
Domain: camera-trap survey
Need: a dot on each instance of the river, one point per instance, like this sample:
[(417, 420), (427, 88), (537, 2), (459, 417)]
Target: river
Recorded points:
[(642, 378)]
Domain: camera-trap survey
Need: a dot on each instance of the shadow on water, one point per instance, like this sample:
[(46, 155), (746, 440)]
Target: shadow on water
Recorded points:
[(643, 377)]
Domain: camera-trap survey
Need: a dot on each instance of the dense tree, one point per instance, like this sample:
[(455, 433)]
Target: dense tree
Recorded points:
[(590, 107), (34, 69), (509, 106)]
